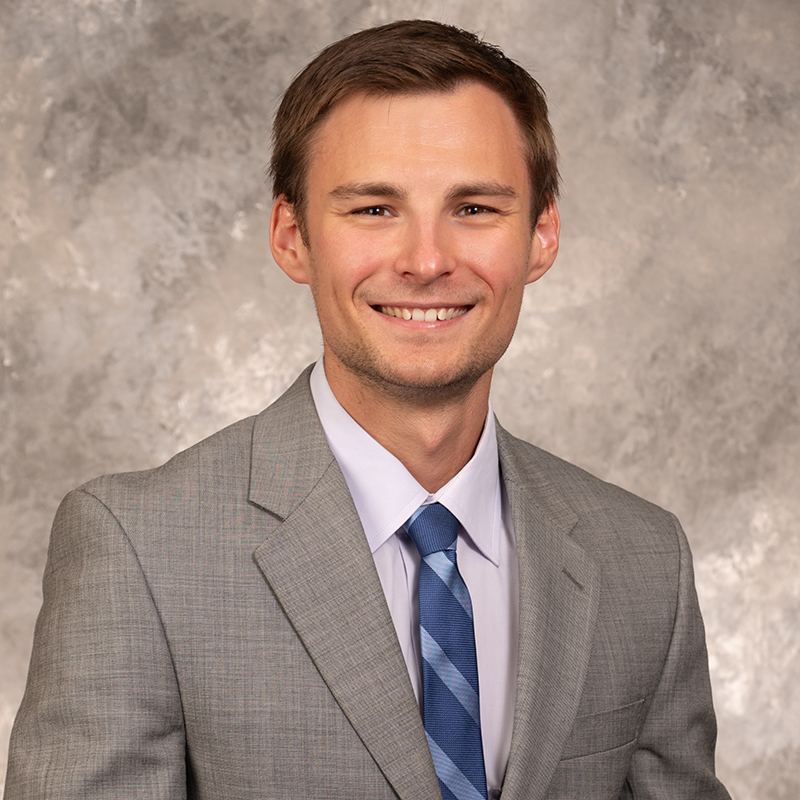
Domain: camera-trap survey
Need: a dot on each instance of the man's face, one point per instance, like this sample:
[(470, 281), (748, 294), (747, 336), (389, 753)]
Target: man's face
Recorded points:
[(419, 239)]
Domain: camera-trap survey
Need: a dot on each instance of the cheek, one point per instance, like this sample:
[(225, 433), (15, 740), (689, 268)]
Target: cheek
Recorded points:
[(502, 262), (505, 281), (346, 260), (335, 286)]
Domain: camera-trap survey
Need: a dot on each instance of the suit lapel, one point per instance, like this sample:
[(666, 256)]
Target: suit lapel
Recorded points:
[(320, 568), (559, 588)]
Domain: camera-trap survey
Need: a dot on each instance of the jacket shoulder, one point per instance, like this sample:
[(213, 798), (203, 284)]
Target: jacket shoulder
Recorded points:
[(226, 452), (606, 515), (525, 461), (223, 458)]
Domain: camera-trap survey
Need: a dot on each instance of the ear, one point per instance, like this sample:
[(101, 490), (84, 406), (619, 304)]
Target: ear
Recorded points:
[(544, 247), (286, 242)]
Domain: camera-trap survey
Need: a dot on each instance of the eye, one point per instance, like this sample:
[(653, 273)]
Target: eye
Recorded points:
[(372, 211), (474, 210)]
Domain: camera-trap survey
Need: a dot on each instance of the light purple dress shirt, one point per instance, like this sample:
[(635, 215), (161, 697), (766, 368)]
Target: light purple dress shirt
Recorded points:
[(386, 495)]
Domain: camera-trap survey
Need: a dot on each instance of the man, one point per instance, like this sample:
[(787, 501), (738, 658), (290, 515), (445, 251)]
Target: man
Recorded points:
[(371, 590)]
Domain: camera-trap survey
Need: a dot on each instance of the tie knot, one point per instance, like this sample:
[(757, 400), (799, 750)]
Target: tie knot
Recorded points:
[(433, 529)]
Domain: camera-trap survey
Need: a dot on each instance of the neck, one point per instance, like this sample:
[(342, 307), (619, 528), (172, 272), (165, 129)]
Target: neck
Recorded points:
[(433, 440)]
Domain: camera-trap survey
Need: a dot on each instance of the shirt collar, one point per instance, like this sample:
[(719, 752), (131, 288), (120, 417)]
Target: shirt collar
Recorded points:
[(386, 494)]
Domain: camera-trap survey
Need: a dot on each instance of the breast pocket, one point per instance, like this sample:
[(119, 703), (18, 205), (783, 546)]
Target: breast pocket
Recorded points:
[(605, 730)]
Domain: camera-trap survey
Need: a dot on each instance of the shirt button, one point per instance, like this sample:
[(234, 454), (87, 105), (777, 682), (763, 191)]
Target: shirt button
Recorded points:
[(494, 794)]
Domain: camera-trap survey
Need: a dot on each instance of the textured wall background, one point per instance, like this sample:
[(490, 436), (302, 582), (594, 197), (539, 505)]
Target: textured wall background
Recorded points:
[(141, 310)]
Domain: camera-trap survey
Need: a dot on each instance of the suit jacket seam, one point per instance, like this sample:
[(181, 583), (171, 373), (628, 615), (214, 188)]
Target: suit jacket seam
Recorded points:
[(676, 588), (146, 582)]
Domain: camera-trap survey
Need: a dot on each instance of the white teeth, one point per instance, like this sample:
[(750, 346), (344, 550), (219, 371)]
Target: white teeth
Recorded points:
[(423, 314)]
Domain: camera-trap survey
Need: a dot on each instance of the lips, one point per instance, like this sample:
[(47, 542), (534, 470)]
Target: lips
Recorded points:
[(422, 314)]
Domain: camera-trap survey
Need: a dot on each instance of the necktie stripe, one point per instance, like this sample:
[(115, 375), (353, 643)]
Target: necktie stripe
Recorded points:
[(448, 573), (451, 776), (450, 676), (449, 625), (450, 700)]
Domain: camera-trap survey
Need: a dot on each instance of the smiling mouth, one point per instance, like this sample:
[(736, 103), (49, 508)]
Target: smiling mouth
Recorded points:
[(422, 314)]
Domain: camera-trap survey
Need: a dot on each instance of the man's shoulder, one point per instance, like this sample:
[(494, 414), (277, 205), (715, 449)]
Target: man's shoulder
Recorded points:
[(224, 453), (601, 509), (221, 460)]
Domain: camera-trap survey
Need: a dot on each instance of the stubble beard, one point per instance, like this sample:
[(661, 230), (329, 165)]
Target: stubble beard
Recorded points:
[(376, 373)]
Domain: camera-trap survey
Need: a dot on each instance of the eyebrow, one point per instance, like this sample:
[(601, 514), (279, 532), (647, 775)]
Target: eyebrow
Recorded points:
[(482, 189), (354, 189), (346, 191)]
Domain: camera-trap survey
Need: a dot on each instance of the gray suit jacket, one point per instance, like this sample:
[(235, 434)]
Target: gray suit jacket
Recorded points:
[(215, 628)]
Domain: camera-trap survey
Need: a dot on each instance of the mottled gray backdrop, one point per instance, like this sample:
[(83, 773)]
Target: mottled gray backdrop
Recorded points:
[(141, 310)]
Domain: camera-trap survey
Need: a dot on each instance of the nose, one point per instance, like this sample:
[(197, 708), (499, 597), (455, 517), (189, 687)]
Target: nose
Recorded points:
[(426, 253)]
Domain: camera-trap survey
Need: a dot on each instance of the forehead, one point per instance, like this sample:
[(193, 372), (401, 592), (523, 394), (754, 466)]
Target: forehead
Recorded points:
[(468, 129)]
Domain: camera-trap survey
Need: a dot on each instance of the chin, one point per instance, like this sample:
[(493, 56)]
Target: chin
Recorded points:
[(423, 383)]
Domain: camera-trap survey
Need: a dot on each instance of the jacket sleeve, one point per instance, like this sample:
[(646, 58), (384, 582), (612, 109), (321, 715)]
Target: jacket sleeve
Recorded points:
[(101, 716), (675, 754)]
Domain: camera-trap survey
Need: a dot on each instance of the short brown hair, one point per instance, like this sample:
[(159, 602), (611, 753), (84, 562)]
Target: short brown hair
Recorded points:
[(406, 57)]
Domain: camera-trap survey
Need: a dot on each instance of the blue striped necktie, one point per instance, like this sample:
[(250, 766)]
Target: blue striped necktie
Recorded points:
[(450, 707)]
